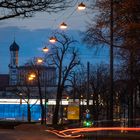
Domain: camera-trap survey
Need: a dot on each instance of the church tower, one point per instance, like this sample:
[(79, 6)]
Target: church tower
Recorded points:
[(13, 66)]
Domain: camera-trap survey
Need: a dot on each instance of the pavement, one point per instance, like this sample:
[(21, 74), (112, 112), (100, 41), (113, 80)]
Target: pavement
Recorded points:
[(11, 134), (26, 132), (37, 132)]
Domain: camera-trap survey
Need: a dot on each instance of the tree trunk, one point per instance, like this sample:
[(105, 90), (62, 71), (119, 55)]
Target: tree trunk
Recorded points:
[(42, 107), (29, 112), (57, 107), (55, 115), (41, 102), (130, 123), (28, 105)]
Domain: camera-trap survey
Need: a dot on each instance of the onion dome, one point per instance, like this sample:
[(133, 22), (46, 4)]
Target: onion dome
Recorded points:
[(14, 47)]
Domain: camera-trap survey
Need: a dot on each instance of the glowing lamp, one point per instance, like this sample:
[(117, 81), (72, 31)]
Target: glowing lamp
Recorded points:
[(45, 49), (81, 6), (52, 39), (33, 75), (39, 60), (63, 25), (30, 78)]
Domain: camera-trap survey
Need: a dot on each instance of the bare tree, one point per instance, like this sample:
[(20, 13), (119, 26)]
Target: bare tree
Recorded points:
[(98, 91), (38, 69), (32, 67), (27, 8), (126, 38), (24, 93), (99, 81), (65, 57)]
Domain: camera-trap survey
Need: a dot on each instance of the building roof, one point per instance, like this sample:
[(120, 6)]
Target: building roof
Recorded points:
[(14, 46)]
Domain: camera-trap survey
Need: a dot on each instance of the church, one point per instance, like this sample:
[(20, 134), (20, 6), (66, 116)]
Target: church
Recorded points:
[(18, 75)]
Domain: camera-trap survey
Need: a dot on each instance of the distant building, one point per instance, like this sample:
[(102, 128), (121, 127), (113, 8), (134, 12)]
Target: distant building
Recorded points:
[(4, 81), (18, 76), (47, 75), (13, 66)]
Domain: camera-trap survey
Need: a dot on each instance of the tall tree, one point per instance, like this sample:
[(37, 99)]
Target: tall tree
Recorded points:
[(126, 19), (99, 81), (65, 57), (38, 69), (128, 14)]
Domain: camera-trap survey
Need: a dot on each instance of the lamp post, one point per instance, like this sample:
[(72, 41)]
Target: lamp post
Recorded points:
[(111, 63), (45, 99), (45, 50), (31, 77), (39, 62), (88, 73)]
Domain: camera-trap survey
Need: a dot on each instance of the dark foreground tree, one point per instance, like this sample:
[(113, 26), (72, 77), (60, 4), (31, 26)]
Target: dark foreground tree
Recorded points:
[(36, 69), (126, 30), (65, 57), (23, 91), (27, 8)]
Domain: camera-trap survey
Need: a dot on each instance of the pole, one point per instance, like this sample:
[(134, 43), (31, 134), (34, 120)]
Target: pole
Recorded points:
[(45, 98), (74, 92), (111, 63), (88, 85)]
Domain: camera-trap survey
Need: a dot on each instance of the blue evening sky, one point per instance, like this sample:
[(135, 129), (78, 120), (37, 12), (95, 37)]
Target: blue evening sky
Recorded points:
[(32, 34)]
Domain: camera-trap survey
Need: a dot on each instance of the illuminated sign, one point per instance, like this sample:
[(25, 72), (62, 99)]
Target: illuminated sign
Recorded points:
[(73, 112)]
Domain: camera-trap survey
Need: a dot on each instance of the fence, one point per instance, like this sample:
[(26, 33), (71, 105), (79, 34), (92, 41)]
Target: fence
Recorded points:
[(18, 112)]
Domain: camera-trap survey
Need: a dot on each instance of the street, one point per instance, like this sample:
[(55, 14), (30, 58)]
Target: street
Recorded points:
[(11, 134), (7, 134)]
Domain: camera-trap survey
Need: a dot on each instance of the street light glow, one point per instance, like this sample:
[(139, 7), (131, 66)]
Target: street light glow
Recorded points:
[(39, 60), (63, 25), (30, 78), (52, 39), (81, 6), (45, 49), (32, 75)]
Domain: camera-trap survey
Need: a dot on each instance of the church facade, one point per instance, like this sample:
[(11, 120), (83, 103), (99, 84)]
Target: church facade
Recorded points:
[(13, 66), (18, 75), (45, 77)]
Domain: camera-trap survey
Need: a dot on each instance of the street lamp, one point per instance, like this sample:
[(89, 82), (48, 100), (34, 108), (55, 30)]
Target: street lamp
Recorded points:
[(32, 75), (45, 49), (63, 25), (30, 78), (81, 6), (53, 39), (39, 60)]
